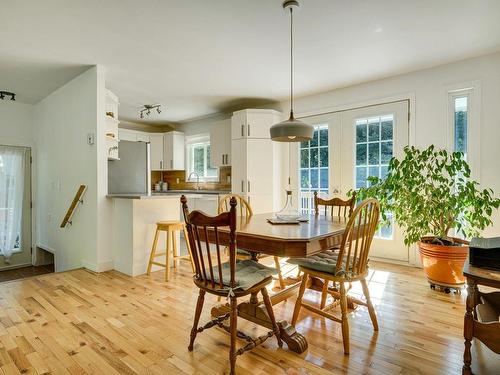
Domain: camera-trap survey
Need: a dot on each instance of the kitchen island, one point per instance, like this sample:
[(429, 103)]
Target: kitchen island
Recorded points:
[(134, 224)]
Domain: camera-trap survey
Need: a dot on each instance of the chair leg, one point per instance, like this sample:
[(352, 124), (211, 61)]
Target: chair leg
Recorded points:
[(175, 250), (324, 294), (234, 331), (270, 312), (280, 275), (369, 304), (345, 322), (197, 314), (298, 303), (168, 252), (153, 252)]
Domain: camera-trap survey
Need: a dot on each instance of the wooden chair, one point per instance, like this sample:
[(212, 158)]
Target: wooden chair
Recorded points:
[(338, 207), (234, 279), (171, 250), (246, 211), (347, 265)]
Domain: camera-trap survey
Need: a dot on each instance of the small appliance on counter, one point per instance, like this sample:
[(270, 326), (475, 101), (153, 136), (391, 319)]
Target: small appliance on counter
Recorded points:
[(485, 252)]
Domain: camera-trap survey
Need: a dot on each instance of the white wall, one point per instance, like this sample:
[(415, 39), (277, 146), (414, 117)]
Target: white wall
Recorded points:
[(16, 123), (65, 160), (429, 88)]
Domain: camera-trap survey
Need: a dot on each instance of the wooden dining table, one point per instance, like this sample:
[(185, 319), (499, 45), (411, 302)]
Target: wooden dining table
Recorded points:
[(256, 235)]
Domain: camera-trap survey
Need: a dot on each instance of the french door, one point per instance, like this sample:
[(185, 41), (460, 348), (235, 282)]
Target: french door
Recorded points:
[(361, 143)]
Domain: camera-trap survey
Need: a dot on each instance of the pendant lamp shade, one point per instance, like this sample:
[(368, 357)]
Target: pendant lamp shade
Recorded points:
[(291, 130)]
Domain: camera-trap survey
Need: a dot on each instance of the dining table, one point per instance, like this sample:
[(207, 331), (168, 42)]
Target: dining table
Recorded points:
[(255, 234)]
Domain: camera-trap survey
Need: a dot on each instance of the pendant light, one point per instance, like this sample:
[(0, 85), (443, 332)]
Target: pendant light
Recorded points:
[(291, 130)]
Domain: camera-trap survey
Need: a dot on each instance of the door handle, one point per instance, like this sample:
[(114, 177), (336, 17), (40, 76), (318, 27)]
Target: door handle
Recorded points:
[(161, 166), (248, 128), (242, 186), (248, 186), (242, 130)]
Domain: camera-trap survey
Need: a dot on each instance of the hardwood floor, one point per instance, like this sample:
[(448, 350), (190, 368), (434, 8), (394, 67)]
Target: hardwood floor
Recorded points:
[(79, 322)]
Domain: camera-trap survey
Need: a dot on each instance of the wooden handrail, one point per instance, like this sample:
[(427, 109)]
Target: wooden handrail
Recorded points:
[(71, 210)]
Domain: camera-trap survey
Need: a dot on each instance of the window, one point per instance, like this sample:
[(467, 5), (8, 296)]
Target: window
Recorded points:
[(460, 124), (313, 167), (198, 154), (373, 151)]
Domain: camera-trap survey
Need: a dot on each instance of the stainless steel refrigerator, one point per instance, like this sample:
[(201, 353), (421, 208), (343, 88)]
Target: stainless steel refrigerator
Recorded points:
[(132, 173)]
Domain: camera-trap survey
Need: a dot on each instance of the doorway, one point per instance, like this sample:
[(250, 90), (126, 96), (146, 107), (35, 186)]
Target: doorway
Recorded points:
[(360, 142), (15, 207)]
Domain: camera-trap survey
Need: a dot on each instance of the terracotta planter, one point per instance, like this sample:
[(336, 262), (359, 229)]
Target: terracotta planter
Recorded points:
[(443, 265)]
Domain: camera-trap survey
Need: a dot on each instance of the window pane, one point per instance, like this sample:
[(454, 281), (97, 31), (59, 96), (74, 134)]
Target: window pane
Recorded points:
[(304, 178), (314, 178), (199, 160), (314, 140), (304, 144), (383, 171), (323, 183), (323, 137), (361, 154), (323, 157), (373, 171), (461, 124), (360, 177), (314, 157), (386, 131), (361, 132), (386, 152), (373, 131), (304, 158), (373, 153)]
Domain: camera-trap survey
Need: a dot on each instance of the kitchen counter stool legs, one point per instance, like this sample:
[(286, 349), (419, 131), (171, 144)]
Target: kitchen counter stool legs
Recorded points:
[(172, 250)]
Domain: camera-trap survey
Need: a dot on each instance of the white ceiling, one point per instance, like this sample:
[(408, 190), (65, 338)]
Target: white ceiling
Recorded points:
[(197, 57)]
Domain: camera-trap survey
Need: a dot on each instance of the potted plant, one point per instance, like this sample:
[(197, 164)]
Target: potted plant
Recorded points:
[(431, 195)]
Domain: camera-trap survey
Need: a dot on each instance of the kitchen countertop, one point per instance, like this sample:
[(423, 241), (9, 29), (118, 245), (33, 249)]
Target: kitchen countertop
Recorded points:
[(167, 194)]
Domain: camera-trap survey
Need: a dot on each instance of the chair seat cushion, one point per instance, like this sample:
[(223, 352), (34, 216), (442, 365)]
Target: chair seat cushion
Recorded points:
[(248, 273), (325, 261)]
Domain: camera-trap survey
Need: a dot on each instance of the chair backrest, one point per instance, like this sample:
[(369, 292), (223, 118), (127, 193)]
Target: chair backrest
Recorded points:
[(357, 239), (244, 207), (337, 206), (200, 227)]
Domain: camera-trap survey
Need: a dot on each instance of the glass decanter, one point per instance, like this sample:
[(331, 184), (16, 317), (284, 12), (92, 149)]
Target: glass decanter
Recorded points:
[(289, 213)]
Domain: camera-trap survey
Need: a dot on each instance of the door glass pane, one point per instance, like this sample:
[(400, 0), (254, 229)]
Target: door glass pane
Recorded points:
[(374, 147), (314, 168)]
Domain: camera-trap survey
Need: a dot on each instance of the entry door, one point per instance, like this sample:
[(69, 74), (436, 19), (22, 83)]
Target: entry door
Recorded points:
[(370, 137)]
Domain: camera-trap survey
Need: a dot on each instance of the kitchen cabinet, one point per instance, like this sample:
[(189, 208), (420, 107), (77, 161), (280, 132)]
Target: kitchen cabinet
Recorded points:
[(143, 137), (127, 135), (220, 144), (253, 123), (173, 151), (156, 151)]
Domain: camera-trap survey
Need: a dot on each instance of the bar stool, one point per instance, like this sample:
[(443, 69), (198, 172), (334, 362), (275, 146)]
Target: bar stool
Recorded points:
[(170, 227)]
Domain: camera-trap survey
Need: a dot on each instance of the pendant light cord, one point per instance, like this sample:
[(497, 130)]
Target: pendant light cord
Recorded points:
[(291, 62)]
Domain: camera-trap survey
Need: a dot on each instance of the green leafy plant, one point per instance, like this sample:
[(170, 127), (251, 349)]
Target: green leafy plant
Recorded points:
[(430, 192)]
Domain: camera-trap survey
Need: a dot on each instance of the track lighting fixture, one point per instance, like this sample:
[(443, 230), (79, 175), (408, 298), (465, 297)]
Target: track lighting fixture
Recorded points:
[(4, 94), (147, 109)]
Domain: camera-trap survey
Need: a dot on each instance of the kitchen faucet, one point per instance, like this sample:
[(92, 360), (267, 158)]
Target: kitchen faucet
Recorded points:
[(197, 179)]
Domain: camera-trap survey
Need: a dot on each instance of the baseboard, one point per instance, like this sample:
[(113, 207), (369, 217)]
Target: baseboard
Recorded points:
[(393, 261), (100, 267)]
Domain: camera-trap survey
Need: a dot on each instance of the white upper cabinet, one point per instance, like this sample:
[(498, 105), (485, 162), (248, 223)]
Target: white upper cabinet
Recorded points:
[(156, 151), (253, 123), (127, 135), (220, 144), (174, 149)]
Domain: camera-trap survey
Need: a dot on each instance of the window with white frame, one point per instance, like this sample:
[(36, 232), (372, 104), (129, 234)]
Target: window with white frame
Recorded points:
[(460, 107), (198, 159)]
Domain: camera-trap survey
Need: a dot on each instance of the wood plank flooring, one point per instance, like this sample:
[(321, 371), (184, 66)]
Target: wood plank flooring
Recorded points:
[(79, 322)]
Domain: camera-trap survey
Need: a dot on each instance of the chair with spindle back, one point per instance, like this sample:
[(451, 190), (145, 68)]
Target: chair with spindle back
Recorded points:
[(347, 265), (339, 208), (234, 279), (246, 211)]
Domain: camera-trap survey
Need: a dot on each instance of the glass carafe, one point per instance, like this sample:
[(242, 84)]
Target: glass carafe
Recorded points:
[(289, 213)]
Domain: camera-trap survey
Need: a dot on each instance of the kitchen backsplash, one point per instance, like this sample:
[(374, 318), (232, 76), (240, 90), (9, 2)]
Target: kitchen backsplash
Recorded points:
[(171, 178)]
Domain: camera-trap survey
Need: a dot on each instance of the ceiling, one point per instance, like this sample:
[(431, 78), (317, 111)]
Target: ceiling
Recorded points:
[(197, 57)]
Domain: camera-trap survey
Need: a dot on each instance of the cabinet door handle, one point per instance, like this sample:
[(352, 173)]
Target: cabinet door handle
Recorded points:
[(222, 159), (242, 186), (248, 190), (160, 165), (171, 164), (248, 128), (242, 130)]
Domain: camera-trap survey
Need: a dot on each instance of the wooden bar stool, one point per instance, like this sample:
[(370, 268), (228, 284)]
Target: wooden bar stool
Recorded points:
[(172, 250)]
